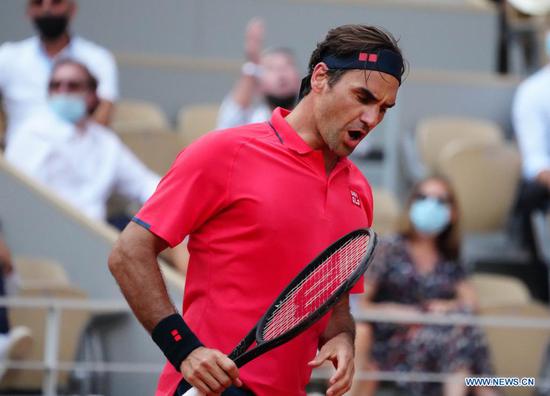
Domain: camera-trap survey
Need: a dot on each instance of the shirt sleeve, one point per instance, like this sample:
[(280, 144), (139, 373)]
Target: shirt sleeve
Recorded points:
[(194, 190), (532, 128), (133, 179), (107, 75)]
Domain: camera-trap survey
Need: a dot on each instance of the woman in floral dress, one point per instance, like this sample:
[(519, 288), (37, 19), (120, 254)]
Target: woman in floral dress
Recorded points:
[(418, 271)]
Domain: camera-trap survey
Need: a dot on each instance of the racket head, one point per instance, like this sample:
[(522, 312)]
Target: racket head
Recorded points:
[(315, 290)]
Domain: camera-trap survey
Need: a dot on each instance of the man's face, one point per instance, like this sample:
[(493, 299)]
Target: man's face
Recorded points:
[(41, 8), (69, 79), (280, 77), (346, 112)]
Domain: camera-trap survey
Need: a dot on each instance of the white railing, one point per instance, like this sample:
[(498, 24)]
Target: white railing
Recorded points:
[(51, 365)]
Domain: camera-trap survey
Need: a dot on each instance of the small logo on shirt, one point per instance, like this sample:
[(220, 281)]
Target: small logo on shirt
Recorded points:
[(176, 335), (355, 198)]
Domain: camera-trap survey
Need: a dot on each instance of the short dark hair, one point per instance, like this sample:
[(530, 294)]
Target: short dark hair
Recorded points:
[(449, 240), (347, 40), (92, 80)]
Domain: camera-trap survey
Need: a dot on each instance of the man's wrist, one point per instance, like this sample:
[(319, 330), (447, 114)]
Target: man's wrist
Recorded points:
[(251, 69), (175, 339)]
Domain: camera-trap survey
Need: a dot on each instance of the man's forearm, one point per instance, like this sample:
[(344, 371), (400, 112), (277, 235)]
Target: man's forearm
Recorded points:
[(136, 270), (341, 322)]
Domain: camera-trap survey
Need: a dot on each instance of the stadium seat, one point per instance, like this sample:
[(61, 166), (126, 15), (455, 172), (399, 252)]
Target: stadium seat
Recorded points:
[(136, 115), (37, 272), (386, 211), (435, 133), (500, 290), (196, 120), (485, 178), (517, 352), (45, 278), (157, 149)]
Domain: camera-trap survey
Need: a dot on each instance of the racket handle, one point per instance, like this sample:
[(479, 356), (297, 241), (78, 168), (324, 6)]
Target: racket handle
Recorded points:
[(185, 389), (191, 392)]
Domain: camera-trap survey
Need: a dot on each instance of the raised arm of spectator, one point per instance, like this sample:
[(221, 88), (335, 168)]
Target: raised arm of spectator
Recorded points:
[(246, 86)]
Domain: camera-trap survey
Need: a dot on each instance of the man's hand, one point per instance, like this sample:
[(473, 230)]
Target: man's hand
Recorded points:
[(339, 350), (210, 371), (254, 39)]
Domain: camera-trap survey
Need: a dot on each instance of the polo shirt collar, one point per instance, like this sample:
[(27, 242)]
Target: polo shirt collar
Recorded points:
[(286, 133), (290, 138)]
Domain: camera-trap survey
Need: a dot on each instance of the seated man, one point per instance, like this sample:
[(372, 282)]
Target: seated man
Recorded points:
[(68, 152), (531, 121), (268, 80), (25, 66)]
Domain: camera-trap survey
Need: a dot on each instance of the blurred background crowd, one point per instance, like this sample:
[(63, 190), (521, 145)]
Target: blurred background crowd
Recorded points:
[(98, 97)]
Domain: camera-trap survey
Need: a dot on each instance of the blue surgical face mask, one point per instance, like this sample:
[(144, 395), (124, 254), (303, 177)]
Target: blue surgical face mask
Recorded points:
[(71, 108), (429, 216)]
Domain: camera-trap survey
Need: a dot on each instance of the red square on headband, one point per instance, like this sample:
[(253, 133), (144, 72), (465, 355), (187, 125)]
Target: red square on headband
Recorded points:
[(373, 57), (174, 332), (363, 56), (177, 338)]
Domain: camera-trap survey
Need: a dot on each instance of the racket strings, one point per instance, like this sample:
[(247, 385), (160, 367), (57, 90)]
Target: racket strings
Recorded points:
[(315, 289)]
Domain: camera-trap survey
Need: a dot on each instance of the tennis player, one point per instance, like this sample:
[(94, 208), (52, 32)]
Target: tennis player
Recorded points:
[(259, 202)]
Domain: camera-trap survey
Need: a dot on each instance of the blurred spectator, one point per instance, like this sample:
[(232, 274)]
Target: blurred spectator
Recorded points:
[(16, 342), (418, 271), (531, 121), (25, 66), (269, 79), (66, 150)]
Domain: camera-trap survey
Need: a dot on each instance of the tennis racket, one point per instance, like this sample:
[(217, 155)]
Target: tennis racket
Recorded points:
[(309, 296)]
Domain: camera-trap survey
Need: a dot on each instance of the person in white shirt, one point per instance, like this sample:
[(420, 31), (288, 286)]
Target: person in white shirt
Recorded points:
[(531, 121), (25, 66), (67, 151), (269, 79)]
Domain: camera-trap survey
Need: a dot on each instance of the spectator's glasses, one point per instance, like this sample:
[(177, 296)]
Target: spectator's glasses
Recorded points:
[(38, 3), (68, 86), (441, 200)]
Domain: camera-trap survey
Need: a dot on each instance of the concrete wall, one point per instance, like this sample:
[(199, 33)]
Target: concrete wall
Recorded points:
[(37, 224)]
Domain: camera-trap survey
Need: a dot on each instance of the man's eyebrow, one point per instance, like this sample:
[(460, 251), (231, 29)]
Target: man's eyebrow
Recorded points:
[(367, 92)]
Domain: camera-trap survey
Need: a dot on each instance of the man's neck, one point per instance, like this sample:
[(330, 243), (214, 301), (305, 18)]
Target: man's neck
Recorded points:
[(54, 47), (302, 120)]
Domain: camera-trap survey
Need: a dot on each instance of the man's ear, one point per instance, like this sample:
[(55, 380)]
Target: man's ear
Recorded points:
[(319, 77)]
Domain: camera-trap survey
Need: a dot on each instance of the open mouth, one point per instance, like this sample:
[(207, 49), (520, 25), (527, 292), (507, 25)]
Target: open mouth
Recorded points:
[(355, 135)]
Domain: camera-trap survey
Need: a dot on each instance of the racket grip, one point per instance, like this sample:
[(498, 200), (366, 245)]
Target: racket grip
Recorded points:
[(185, 388)]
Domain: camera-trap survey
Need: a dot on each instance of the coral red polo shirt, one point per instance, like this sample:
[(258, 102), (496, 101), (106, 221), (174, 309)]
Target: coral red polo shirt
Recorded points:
[(258, 206)]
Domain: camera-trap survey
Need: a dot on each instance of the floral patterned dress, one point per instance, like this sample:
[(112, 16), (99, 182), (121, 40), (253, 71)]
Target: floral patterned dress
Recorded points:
[(422, 348)]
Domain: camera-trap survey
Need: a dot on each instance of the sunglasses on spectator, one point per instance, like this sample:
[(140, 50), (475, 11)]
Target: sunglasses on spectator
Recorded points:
[(441, 200), (38, 3), (70, 86)]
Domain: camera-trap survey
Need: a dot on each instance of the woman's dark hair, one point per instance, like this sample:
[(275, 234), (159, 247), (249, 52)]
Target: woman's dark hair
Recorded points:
[(347, 40), (448, 241)]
